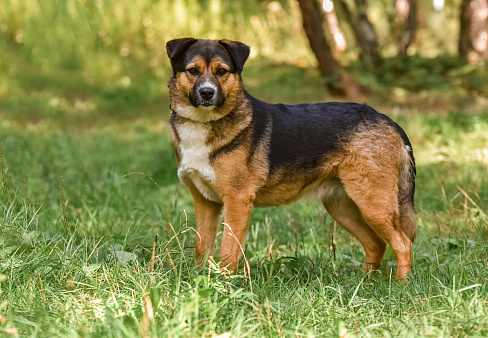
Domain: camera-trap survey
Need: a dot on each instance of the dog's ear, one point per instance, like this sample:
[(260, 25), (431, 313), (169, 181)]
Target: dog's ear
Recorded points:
[(177, 47), (238, 51)]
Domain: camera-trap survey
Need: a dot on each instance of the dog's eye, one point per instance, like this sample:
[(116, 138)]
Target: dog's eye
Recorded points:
[(222, 71), (192, 71)]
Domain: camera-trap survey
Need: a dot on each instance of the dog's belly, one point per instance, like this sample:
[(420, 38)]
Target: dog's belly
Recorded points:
[(325, 190), (287, 192)]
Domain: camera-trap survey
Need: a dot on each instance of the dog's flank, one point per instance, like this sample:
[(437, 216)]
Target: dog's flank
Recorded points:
[(235, 152)]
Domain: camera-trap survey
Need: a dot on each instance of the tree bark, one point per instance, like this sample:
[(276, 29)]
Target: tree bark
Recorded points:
[(312, 24), (465, 44), (473, 32), (364, 32), (409, 29)]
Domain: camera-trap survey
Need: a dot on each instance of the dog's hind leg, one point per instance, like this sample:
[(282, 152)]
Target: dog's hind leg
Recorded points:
[(377, 174), (375, 195), (342, 209)]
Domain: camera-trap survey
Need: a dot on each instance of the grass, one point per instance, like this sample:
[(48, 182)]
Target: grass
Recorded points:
[(86, 200), (97, 235)]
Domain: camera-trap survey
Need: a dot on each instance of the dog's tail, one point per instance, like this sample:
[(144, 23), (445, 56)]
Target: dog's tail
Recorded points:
[(406, 190)]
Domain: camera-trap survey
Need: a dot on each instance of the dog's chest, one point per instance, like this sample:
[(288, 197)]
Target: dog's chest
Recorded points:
[(195, 164)]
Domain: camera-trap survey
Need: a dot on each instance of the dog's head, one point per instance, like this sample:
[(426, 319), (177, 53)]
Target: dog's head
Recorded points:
[(206, 76)]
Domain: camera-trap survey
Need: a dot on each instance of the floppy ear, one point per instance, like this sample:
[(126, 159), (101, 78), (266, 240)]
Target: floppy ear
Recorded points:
[(238, 51), (177, 47)]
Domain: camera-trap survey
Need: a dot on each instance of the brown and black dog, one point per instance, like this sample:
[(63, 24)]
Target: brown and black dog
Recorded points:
[(235, 152)]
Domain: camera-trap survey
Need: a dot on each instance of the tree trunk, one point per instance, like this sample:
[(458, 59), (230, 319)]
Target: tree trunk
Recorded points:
[(335, 30), (465, 44), (364, 32), (369, 38), (312, 24), (409, 28), (473, 33)]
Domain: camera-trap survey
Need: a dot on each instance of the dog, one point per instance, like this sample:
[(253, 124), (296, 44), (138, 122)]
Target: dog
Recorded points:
[(235, 152)]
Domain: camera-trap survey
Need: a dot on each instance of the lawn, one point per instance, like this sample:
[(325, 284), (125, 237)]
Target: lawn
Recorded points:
[(97, 235)]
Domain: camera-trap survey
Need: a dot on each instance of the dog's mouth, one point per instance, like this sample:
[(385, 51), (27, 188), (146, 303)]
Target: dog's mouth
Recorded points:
[(204, 104), (208, 104)]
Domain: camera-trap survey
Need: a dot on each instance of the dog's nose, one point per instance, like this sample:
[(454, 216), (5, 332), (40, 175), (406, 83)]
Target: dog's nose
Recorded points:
[(207, 93)]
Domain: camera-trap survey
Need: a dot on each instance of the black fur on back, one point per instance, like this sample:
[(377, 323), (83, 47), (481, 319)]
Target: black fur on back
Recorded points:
[(315, 129)]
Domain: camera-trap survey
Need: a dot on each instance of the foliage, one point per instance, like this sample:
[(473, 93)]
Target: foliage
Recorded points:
[(417, 73), (104, 39)]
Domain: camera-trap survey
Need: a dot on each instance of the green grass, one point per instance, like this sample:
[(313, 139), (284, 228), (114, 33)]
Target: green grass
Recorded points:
[(89, 186), (88, 274)]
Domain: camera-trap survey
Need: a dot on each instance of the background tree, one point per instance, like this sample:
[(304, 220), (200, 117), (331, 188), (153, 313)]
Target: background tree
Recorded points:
[(407, 14), (363, 30), (312, 24), (473, 32), (333, 25)]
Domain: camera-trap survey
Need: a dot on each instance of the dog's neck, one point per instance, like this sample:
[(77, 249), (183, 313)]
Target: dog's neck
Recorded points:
[(222, 130)]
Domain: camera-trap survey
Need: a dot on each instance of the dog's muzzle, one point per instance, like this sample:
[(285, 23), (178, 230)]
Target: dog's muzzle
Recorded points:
[(207, 94)]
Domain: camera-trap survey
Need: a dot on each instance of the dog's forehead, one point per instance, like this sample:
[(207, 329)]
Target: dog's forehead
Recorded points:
[(207, 50)]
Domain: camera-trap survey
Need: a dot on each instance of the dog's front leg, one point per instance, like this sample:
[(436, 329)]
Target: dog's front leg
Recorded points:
[(208, 219), (237, 213)]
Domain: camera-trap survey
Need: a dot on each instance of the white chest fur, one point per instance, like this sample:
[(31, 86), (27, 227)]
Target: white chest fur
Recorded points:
[(195, 165)]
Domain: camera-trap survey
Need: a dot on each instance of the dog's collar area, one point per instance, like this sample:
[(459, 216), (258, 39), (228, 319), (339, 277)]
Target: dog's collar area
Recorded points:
[(187, 119), (173, 112)]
